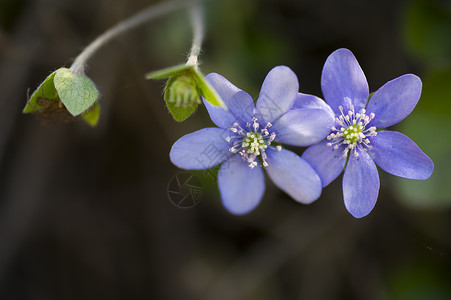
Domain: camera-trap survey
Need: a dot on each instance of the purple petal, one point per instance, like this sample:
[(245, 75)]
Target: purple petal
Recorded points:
[(303, 127), (277, 94), (240, 106), (201, 149), (360, 185), (241, 187), (326, 161), (293, 175), (343, 81), (396, 154), (309, 101), (395, 100)]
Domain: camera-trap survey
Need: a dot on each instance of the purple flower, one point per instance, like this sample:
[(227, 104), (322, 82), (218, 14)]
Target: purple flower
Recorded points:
[(249, 140), (356, 142)]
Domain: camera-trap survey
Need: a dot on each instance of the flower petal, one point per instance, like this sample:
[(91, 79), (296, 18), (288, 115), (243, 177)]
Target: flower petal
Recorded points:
[(326, 161), (201, 149), (240, 106), (343, 81), (309, 101), (303, 127), (277, 94), (360, 185), (396, 154), (395, 100), (293, 175), (241, 187)]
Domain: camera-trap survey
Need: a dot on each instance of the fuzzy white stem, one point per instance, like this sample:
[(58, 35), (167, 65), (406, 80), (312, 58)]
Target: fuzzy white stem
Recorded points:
[(197, 22), (147, 14)]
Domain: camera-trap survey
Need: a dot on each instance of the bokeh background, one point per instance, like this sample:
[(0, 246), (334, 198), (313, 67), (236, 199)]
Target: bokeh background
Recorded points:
[(85, 214)]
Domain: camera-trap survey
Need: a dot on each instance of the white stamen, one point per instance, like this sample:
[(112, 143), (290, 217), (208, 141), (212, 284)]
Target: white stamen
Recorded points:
[(233, 150), (253, 164), (272, 137), (252, 142), (350, 131), (256, 125)]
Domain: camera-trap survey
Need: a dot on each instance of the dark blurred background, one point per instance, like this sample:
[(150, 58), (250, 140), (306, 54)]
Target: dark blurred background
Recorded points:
[(85, 213)]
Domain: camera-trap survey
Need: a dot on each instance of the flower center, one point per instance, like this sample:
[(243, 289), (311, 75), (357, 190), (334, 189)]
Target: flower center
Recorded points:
[(352, 134), (352, 131), (252, 142)]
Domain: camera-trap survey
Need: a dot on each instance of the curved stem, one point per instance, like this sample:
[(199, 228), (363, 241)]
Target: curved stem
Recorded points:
[(197, 22), (147, 14)]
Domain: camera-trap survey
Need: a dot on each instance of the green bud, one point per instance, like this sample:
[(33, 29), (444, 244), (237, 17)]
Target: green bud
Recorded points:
[(63, 96), (184, 89), (181, 89)]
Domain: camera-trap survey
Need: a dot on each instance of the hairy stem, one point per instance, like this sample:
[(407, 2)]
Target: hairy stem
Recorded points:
[(197, 22), (147, 14)]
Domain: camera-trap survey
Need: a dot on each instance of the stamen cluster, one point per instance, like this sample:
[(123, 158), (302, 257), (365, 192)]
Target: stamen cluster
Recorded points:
[(352, 131), (252, 142)]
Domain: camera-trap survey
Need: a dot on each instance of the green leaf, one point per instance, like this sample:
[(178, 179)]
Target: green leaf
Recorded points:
[(207, 91), (92, 115), (45, 90), (77, 92), (168, 72), (181, 102)]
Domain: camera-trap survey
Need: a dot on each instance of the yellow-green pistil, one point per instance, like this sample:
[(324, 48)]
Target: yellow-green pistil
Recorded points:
[(352, 132), (252, 142)]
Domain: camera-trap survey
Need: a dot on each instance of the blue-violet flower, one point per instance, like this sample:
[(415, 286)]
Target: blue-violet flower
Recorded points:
[(356, 142), (249, 139)]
